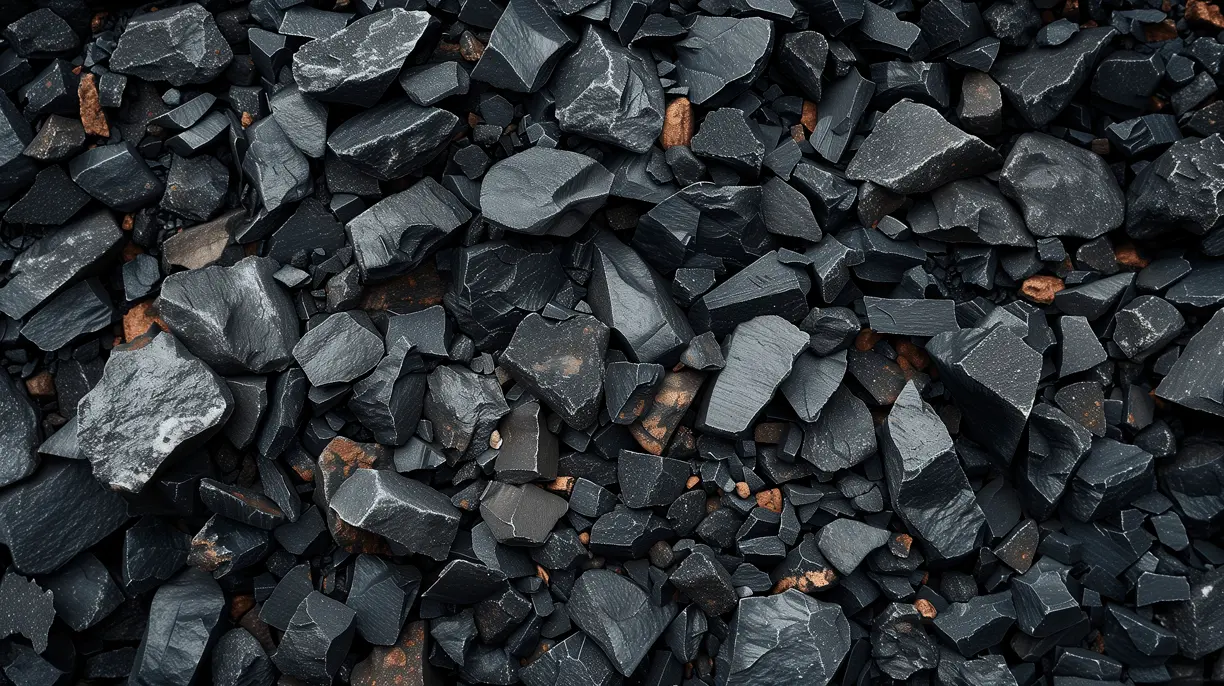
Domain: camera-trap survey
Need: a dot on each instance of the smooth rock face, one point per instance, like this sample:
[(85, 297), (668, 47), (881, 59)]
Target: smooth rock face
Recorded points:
[(1041, 82), (495, 285), (278, 170), (343, 347), (761, 353), (520, 515), (1180, 190), (561, 363), (617, 614), (357, 63), (721, 57), (19, 432), (913, 149), (178, 44), (399, 232), (783, 639), (927, 486), (392, 139), (525, 46), (609, 93), (237, 319), (399, 509), (183, 621), (1198, 373), (318, 637), (56, 260), (155, 401), (541, 191), (1041, 172)]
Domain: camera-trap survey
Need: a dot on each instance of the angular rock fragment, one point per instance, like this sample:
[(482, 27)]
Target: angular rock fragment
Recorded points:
[(26, 610), (970, 211), (239, 660), (900, 645), (703, 579), (1056, 445), (926, 484), (340, 349), (649, 480), (19, 432), (561, 363), (1197, 621), (529, 450), (575, 660), (178, 44), (464, 407), (153, 551), (393, 139), (1044, 606), (802, 56), (995, 403), (403, 663), (432, 83), (1179, 190), (981, 106), (842, 435), (155, 401), (381, 594), (279, 171), (237, 319), (721, 57), (542, 191), (357, 63), (57, 259), (629, 389), (240, 504), (402, 510), (1110, 477), (399, 232), (761, 353), (183, 620), (912, 149), (389, 400), (725, 136), (525, 46), (1040, 82), (911, 317), (1198, 374), (618, 615), (520, 515), (1145, 326), (51, 201), (609, 93), (768, 286), (812, 382), (784, 639), (117, 176), (847, 542), (83, 592), (223, 546), (1042, 172), (977, 624), (1079, 348), (317, 640)]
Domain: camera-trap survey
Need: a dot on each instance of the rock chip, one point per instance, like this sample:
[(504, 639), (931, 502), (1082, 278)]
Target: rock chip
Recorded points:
[(1040, 82), (520, 515), (84, 592), (464, 407), (402, 510), (561, 363), (183, 620), (317, 640), (784, 639), (761, 353), (1198, 374), (356, 64), (393, 139), (181, 45), (525, 46), (1041, 172), (19, 432), (542, 191), (618, 615), (398, 233), (1180, 190), (57, 259), (340, 349), (720, 57), (26, 610)]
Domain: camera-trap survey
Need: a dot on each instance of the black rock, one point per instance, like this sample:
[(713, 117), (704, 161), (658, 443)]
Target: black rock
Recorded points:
[(913, 149), (356, 64), (900, 645), (760, 355), (561, 363), (926, 484), (844, 103), (1044, 605), (812, 383), (84, 593), (520, 515), (1145, 326), (977, 624), (58, 259), (431, 83), (117, 176), (279, 171), (278, 608), (725, 136), (402, 510), (237, 319), (155, 401), (525, 46), (41, 33), (1079, 348), (183, 621), (911, 317), (339, 349), (381, 594), (768, 286), (316, 641), (17, 170), (389, 400), (59, 139), (995, 405), (798, 636), (239, 660), (881, 29), (392, 139), (1056, 445), (842, 436), (847, 542), (705, 581), (649, 480), (223, 546), (575, 661), (1110, 477), (178, 44), (721, 57), (494, 285), (52, 200), (1176, 191), (287, 399), (609, 93), (542, 191), (618, 615), (1042, 172), (464, 407), (981, 106), (1197, 371), (153, 551), (399, 232), (19, 432), (629, 390), (1197, 621), (802, 57), (528, 449), (240, 504), (1040, 82), (26, 609)]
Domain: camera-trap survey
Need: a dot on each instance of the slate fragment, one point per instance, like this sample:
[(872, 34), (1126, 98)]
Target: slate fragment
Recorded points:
[(83, 592), (910, 317), (1040, 82), (339, 349), (703, 579), (1057, 444), (720, 57), (912, 149), (574, 660), (847, 542), (59, 139), (1198, 374), (357, 63), (240, 504), (1145, 325), (41, 33), (618, 616), (317, 640), (802, 56), (393, 139), (183, 620), (900, 645), (180, 45), (389, 400), (26, 610), (396, 234), (561, 363), (799, 637), (431, 83), (529, 450), (1178, 190), (402, 510), (977, 624), (520, 515), (526, 44), (842, 105), (725, 136), (239, 660), (237, 319), (464, 407), (19, 432), (768, 286), (1196, 621), (622, 106), (279, 171), (926, 483), (155, 401), (381, 594), (842, 435), (1041, 172), (223, 546), (1110, 477), (542, 191), (53, 199), (761, 353), (117, 176), (996, 403)]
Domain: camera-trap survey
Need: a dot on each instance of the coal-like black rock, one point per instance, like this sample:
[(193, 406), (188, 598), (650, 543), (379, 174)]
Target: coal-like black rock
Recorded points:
[(464, 407), (389, 400), (155, 401), (561, 363), (224, 546), (26, 610), (1040, 82), (784, 639), (914, 149), (19, 432), (339, 349), (402, 510), (619, 616), (1178, 190), (357, 64), (1056, 445), (51, 201), (528, 450), (1043, 603), (1199, 370), (576, 660), (1145, 326), (318, 638), (1042, 174), (802, 57), (911, 317), (183, 620), (239, 660), (1108, 479), (842, 435), (847, 542), (526, 44), (760, 355), (392, 139), (703, 579), (542, 191), (609, 93), (721, 57), (520, 515), (401, 231), (58, 259), (1198, 620), (381, 594), (926, 483), (974, 625), (83, 591), (900, 645), (629, 389), (279, 171), (241, 504), (813, 381), (726, 137), (180, 45), (843, 104), (237, 319), (432, 83), (650, 480), (768, 286), (494, 285)]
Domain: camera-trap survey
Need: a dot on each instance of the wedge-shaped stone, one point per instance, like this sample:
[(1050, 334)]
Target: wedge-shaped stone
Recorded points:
[(184, 619), (561, 363), (721, 57), (399, 232), (542, 191), (181, 45), (619, 616), (393, 139), (356, 64), (761, 353), (1042, 172), (1040, 82), (1179, 190), (520, 515), (784, 639), (525, 46), (402, 510)]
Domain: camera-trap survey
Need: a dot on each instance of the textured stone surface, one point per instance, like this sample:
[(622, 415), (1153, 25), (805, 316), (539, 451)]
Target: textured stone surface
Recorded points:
[(785, 638), (561, 363), (761, 353), (178, 44), (544, 192), (357, 63), (1041, 172), (399, 509), (19, 432), (57, 259), (392, 139), (183, 620), (617, 614)]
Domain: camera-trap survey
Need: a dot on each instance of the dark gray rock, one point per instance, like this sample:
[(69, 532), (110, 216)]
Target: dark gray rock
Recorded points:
[(910, 317), (913, 149), (703, 579), (1057, 444), (26, 610), (721, 57), (224, 546), (525, 46), (1040, 82), (802, 56), (381, 594), (768, 286), (181, 45), (16, 169), (431, 83), (926, 484), (245, 505), (725, 136), (464, 408), (278, 170), (399, 232), (183, 620), (287, 398), (609, 93), (117, 176), (57, 259), (843, 434), (356, 64), (842, 106), (1198, 372), (339, 349), (542, 191), (812, 382), (1041, 172), (495, 284), (520, 515), (41, 33), (302, 119), (760, 355), (847, 542), (1044, 606), (389, 400), (84, 592), (575, 660), (317, 640), (19, 432), (618, 615), (650, 480), (977, 624), (1179, 190), (1110, 477), (528, 449), (237, 319), (900, 645), (1145, 325), (195, 187), (1199, 621), (51, 201), (629, 389), (393, 139), (402, 510), (239, 660), (784, 639), (561, 363), (969, 211), (155, 401)]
